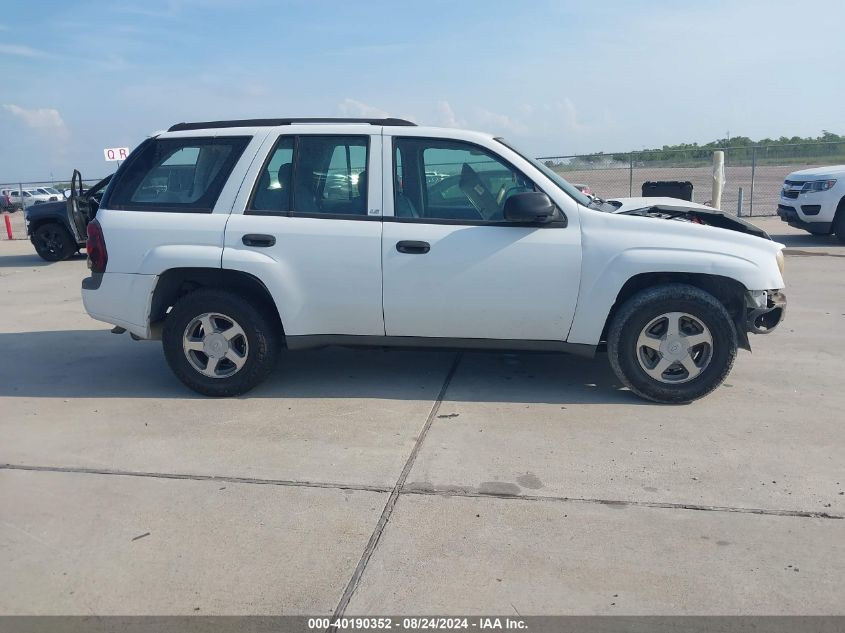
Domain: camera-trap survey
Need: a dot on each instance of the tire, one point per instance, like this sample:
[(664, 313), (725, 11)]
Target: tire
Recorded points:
[(53, 242), (839, 222), (639, 325), (255, 344)]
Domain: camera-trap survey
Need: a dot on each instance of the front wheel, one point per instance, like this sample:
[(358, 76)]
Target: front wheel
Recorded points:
[(839, 222), (672, 344), (219, 343)]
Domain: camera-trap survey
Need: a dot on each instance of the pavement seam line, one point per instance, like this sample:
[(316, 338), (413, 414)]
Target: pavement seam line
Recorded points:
[(373, 542), (193, 477), (642, 504)]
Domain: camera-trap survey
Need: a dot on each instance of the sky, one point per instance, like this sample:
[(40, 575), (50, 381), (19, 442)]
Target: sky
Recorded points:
[(555, 77)]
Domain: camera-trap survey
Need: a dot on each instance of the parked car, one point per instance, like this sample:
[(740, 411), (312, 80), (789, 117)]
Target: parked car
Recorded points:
[(54, 193), (245, 254), (29, 198), (814, 200), (48, 225)]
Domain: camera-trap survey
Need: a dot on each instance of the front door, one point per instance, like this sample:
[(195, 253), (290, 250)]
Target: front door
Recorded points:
[(453, 267)]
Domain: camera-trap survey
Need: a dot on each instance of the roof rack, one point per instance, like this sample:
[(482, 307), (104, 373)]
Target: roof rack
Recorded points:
[(205, 125)]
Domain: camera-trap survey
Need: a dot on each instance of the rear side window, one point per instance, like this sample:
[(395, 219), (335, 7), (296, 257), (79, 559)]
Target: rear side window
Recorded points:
[(184, 175), (314, 175)]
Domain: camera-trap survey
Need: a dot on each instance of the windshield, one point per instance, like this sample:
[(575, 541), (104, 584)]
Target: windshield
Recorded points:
[(552, 175)]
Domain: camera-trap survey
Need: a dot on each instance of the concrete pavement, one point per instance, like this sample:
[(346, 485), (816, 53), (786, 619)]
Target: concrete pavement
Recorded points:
[(411, 482)]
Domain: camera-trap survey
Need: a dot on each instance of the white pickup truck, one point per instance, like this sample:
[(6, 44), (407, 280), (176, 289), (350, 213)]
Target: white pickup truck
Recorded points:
[(234, 240), (814, 200)]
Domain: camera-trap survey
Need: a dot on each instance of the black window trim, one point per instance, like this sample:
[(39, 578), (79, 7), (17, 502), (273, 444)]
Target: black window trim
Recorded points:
[(558, 222), (291, 213), (148, 208)]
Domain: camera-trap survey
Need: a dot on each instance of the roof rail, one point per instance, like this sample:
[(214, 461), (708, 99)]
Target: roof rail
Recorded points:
[(206, 125)]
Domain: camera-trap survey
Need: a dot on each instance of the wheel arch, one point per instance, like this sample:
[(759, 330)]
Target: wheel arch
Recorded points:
[(729, 292), (38, 222), (175, 283)]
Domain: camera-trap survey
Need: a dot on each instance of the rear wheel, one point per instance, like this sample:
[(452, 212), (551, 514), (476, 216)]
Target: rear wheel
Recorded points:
[(672, 344), (53, 242), (219, 343)]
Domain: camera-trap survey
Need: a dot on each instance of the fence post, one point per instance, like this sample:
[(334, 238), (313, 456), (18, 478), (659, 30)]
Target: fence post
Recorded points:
[(631, 175), (718, 178), (753, 168), (739, 203)]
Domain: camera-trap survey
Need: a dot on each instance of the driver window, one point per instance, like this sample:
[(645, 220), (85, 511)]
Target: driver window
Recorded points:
[(448, 180)]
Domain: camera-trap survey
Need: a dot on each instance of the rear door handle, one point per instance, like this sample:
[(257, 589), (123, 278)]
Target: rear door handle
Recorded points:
[(258, 239), (413, 247)]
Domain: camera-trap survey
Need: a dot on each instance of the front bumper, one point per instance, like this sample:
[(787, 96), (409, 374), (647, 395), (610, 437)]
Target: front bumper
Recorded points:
[(788, 212), (762, 320)]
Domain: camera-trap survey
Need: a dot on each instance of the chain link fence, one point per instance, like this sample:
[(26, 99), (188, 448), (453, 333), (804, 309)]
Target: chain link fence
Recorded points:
[(14, 206), (754, 175)]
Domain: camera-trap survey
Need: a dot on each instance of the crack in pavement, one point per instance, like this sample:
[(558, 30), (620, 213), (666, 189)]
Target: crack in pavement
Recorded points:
[(193, 477), (352, 585), (411, 491), (612, 502)]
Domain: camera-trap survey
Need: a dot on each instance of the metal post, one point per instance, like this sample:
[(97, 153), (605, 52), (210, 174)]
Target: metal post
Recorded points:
[(739, 203), (718, 178), (20, 193), (753, 167), (631, 176)]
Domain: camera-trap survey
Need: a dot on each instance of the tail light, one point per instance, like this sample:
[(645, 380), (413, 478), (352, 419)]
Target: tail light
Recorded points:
[(98, 256)]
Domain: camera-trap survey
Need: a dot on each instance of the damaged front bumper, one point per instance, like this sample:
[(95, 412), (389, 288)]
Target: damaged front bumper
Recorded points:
[(765, 309)]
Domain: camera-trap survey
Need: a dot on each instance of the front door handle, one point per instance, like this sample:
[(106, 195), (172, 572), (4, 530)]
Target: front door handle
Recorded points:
[(258, 239), (412, 247)]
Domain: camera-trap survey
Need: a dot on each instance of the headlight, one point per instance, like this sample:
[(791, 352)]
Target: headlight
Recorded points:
[(781, 261), (817, 185)]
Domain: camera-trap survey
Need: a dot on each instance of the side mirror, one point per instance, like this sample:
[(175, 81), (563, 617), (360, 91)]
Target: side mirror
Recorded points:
[(531, 206)]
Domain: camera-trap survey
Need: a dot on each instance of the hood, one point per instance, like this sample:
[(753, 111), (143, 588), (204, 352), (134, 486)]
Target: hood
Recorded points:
[(685, 211), (46, 208), (817, 173)]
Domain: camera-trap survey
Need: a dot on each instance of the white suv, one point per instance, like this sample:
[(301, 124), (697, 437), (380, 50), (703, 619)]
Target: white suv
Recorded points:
[(233, 240), (814, 200)]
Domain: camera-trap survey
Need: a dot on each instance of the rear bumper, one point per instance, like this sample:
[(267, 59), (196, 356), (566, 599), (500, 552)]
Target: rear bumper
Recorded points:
[(789, 214), (120, 299), (763, 320)]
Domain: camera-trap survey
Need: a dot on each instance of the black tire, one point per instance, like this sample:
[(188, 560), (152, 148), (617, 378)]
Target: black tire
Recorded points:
[(839, 222), (641, 310), (53, 242), (259, 329)]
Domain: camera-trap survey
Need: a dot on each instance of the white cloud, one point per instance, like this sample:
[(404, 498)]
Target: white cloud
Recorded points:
[(21, 51), (446, 115), (570, 115), (352, 108), (45, 120)]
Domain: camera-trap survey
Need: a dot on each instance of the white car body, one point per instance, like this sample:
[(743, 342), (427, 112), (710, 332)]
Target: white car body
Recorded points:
[(813, 199), (53, 195), (30, 197), (334, 280)]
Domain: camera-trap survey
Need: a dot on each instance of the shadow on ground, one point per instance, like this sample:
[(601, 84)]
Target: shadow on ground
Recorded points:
[(807, 241), (31, 260), (98, 364)]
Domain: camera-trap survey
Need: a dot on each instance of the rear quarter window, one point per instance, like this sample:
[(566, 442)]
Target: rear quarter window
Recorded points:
[(182, 175)]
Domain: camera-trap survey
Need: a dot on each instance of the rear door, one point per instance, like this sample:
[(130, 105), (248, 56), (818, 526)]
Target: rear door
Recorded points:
[(307, 223)]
